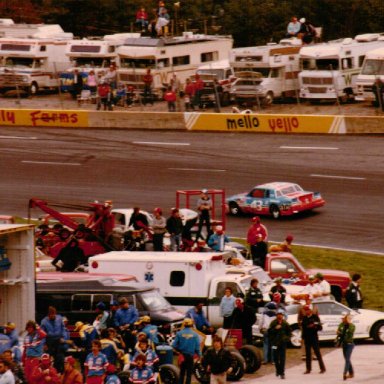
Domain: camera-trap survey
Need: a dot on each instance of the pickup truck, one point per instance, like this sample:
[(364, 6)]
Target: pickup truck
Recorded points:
[(285, 265)]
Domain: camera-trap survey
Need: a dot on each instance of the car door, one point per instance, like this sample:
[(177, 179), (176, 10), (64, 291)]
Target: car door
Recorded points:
[(257, 200), (330, 314)]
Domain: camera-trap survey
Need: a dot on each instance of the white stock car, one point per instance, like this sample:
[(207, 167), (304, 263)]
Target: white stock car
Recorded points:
[(369, 323)]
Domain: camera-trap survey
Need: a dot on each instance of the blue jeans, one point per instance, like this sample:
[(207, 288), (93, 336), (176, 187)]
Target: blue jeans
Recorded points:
[(278, 353), (267, 348), (347, 352), (175, 242)]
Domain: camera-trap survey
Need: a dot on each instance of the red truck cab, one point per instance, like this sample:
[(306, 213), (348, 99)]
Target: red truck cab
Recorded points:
[(285, 265)]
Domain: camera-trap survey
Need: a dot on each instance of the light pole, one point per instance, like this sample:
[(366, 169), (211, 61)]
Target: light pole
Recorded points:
[(177, 7)]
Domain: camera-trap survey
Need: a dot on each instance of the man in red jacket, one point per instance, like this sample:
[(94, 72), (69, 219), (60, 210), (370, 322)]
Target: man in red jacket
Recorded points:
[(44, 373), (170, 98), (257, 238)]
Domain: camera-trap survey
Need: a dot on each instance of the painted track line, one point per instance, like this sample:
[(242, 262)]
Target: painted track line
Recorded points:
[(197, 169), (49, 163), (337, 177), (19, 137), (159, 143)]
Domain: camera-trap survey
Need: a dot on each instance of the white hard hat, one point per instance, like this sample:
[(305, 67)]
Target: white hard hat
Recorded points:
[(302, 20)]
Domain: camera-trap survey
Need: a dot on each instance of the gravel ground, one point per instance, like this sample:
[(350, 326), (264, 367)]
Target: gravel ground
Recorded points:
[(64, 101)]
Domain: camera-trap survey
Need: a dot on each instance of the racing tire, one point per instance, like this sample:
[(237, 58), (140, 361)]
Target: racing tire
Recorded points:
[(378, 332), (201, 374), (275, 211), (238, 366), (169, 374), (252, 357), (33, 89), (234, 209), (295, 336)]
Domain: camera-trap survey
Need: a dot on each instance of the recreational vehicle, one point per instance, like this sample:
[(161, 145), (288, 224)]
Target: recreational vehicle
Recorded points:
[(330, 70), (180, 56), (277, 64), (373, 69), (31, 64)]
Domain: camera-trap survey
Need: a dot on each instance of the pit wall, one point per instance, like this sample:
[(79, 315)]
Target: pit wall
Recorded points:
[(233, 122)]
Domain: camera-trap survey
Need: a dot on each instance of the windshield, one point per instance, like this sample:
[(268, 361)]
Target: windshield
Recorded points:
[(218, 73), (154, 301), (129, 62), (320, 64), (246, 283), (288, 190), (373, 67), (262, 276), (263, 70), (19, 62), (91, 62)]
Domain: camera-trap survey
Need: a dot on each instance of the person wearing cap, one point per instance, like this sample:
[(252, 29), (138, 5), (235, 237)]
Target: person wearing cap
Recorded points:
[(53, 326), (243, 318), (285, 246), (143, 348), (44, 373), (109, 347), (104, 96), (257, 238), (6, 374), (254, 296), (323, 286), (201, 322), (175, 229), (293, 27), (227, 305), (279, 335), (217, 361), (159, 228), (312, 289), (278, 288), (125, 318), (204, 208), (187, 344), (300, 315), (11, 331), (353, 295), (307, 31), (96, 364), (311, 325), (150, 330), (71, 375), (218, 239), (34, 342), (345, 332)]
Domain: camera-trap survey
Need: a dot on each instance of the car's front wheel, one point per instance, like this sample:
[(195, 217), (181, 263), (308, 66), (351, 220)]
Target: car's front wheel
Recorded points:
[(378, 332), (275, 211), (234, 209)]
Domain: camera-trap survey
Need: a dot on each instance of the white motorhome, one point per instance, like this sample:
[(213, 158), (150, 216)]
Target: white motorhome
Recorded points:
[(31, 64), (180, 56), (278, 65), (373, 69), (330, 70)]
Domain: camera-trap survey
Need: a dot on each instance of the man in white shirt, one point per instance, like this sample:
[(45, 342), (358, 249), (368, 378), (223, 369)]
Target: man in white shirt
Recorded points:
[(312, 289), (6, 375), (323, 285)]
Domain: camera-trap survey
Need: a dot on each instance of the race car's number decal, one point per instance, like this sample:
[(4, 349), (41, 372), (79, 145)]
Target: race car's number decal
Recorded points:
[(257, 204)]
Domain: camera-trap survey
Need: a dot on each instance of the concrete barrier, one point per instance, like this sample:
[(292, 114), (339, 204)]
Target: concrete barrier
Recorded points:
[(194, 121)]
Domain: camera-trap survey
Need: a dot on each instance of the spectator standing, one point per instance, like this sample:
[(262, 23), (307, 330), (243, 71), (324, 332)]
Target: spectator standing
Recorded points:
[(159, 228), (218, 239), (148, 80), (204, 208), (269, 314), (279, 334), (95, 364), (102, 316), (257, 238), (54, 328), (104, 94), (197, 315), (142, 19), (77, 85), (12, 333), (254, 296), (217, 361), (278, 288), (345, 332), (300, 315), (125, 317), (5, 342), (199, 86), (189, 94), (92, 82), (311, 325), (293, 27), (227, 305), (187, 343), (141, 374), (111, 76), (34, 342), (170, 98), (353, 295), (150, 330), (44, 372), (243, 318), (175, 228), (70, 257), (6, 375), (71, 375), (312, 289)]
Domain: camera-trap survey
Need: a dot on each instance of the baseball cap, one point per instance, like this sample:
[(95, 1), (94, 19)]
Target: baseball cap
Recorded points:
[(311, 277), (204, 190), (188, 322), (280, 311), (78, 326), (45, 358)]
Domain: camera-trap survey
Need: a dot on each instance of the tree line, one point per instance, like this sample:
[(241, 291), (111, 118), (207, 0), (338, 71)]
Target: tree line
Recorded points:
[(250, 22)]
